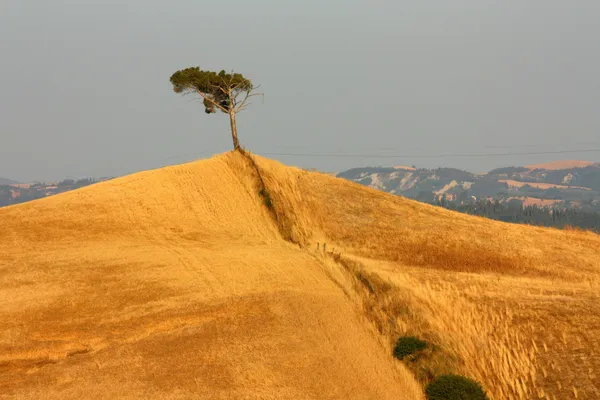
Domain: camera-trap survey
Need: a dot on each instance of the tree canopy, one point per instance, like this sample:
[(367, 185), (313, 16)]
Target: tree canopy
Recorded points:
[(217, 89)]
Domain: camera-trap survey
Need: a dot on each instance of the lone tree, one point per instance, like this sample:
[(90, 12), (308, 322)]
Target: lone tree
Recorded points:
[(220, 91)]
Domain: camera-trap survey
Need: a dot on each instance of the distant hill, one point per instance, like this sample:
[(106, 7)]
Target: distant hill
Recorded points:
[(563, 184), (555, 165), (4, 181), (12, 192)]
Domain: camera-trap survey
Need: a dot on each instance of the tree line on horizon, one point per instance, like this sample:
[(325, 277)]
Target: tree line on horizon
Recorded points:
[(516, 212)]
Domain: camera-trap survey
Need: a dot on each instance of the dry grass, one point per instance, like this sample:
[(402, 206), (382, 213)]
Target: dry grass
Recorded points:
[(372, 224), (534, 201), (517, 184), (561, 165), (177, 283), (513, 306), (522, 338)]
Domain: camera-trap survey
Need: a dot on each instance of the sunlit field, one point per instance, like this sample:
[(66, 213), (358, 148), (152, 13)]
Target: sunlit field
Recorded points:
[(185, 282)]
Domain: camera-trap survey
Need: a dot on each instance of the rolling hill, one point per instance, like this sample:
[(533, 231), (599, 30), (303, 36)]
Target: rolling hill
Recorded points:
[(186, 282), (4, 181), (566, 184)]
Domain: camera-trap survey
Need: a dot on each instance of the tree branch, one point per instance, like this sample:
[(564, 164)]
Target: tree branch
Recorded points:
[(219, 87), (226, 84), (249, 94), (242, 107), (243, 102)]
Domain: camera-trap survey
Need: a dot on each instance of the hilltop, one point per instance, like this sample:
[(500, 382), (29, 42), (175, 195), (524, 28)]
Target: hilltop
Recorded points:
[(192, 282), (564, 184), (561, 165)]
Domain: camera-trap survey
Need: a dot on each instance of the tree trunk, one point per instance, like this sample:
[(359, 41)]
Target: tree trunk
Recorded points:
[(236, 143)]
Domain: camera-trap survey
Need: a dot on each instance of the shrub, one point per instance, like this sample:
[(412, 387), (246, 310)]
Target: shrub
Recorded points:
[(266, 198), (455, 387), (407, 345)]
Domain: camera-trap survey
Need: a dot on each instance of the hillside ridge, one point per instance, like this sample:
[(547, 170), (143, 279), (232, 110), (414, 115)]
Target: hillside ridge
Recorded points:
[(183, 269), (6, 181)]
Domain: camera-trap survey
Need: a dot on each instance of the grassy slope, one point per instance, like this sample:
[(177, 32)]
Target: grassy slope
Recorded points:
[(175, 282), (516, 304)]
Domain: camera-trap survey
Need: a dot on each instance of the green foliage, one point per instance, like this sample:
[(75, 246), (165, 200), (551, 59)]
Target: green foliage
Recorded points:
[(516, 212), (266, 198), (407, 345), (455, 387), (507, 171), (217, 89)]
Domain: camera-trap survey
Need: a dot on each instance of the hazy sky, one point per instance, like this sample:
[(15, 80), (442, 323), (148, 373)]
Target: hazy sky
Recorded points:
[(85, 83)]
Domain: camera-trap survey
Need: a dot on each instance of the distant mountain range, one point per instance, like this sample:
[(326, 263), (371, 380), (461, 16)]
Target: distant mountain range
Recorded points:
[(12, 192), (4, 181), (562, 184)]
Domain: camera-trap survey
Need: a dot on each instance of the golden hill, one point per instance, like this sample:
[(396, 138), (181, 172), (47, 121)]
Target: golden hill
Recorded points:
[(557, 165), (180, 283)]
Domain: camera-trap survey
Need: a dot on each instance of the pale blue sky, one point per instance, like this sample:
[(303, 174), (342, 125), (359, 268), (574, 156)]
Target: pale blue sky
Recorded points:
[(86, 92)]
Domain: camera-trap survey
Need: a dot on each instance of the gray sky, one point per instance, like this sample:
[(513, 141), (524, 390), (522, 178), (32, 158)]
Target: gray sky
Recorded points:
[(86, 92)]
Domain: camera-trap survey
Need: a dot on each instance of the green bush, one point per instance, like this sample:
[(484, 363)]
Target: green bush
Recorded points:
[(455, 387), (266, 198), (407, 345)]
